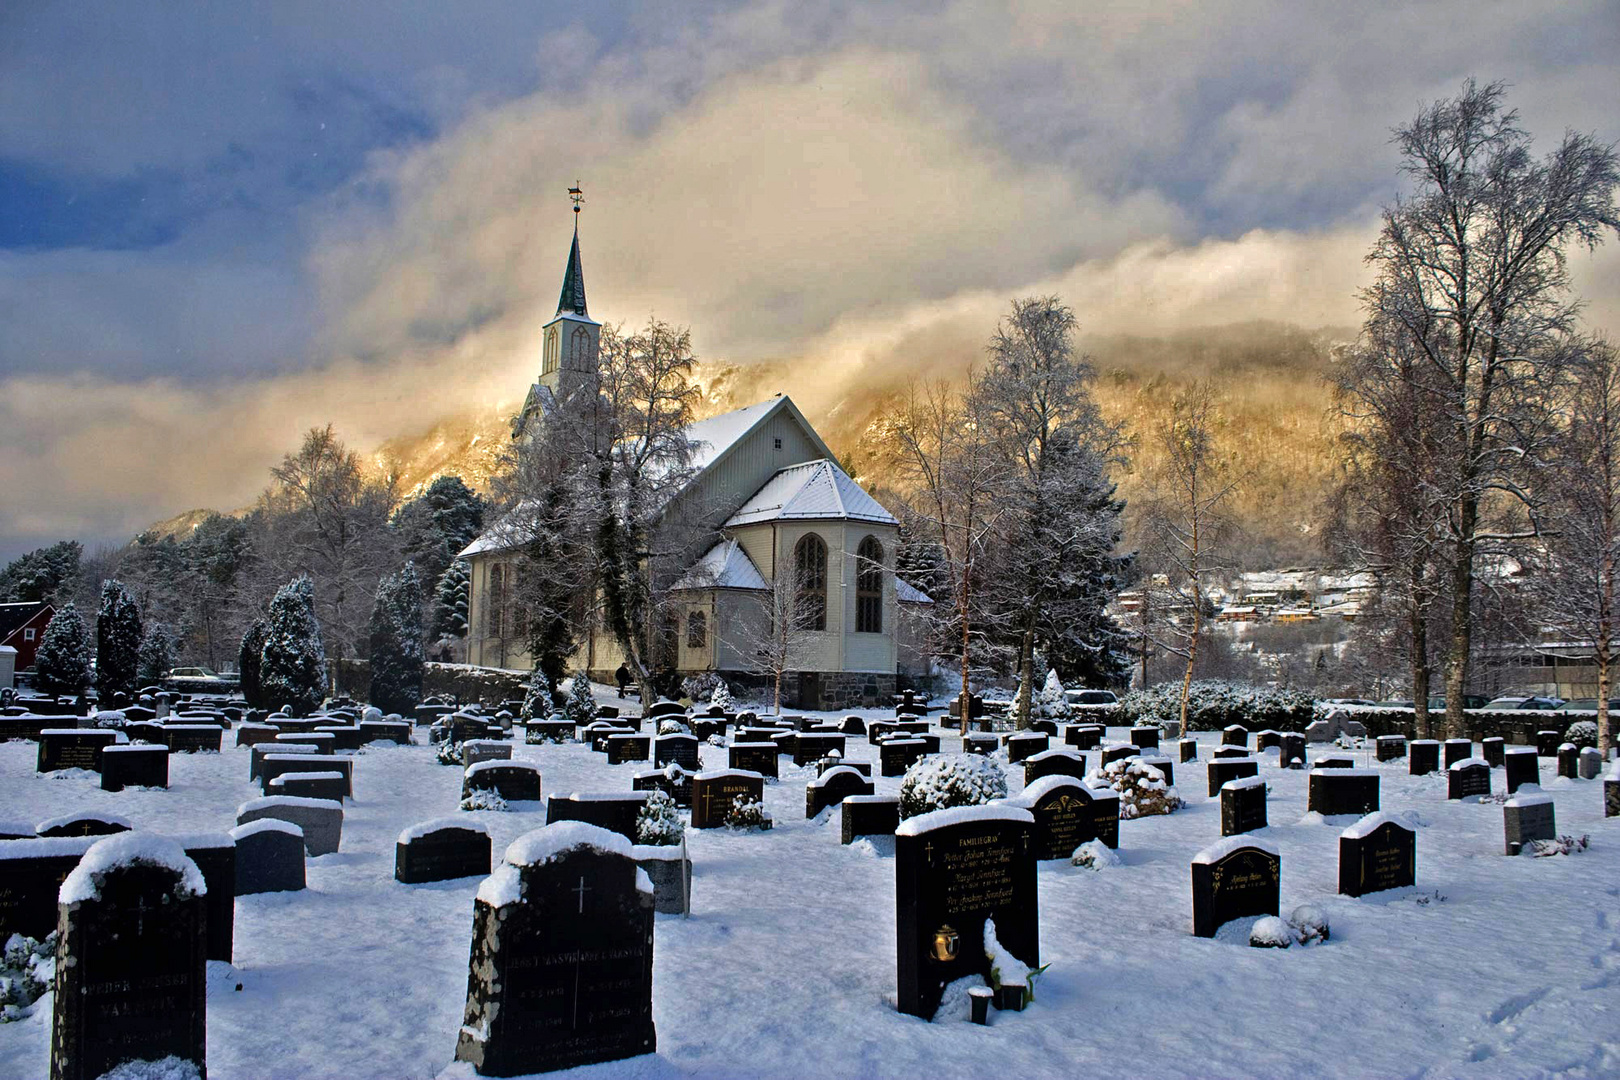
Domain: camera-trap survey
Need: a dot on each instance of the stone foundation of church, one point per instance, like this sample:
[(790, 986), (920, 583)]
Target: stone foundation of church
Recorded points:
[(822, 691)]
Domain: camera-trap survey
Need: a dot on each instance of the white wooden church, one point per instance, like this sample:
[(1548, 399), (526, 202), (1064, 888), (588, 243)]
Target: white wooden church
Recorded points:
[(790, 505)]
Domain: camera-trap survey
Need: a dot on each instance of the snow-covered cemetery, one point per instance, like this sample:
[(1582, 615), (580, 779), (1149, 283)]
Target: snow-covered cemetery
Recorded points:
[(1111, 598)]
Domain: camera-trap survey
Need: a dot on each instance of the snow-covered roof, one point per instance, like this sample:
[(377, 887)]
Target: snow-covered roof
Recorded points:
[(812, 489), (907, 593), (724, 566)]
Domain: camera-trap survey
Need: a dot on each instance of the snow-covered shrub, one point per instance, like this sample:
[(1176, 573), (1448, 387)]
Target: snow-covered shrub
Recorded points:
[(1051, 703), (1271, 933), (449, 753), (62, 664), (157, 655), (721, 697), (1095, 855), (292, 667), (250, 656), (1564, 845), (483, 799), (671, 726), (1310, 924), (1582, 733), (717, 740), (537, 699), (658, 822), (1213, 705), (1141, 787), (27, 969), (748, 813), (945, 780), (118, 640), (701, 686), (167, 1068), (580, 708), (397, 657)]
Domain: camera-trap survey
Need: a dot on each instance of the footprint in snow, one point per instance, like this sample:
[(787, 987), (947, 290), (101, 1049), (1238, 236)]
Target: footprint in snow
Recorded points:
[(1513, 1006)]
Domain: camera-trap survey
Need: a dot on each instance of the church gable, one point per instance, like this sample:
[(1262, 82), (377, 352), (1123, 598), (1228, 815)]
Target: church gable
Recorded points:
[(776, 438)]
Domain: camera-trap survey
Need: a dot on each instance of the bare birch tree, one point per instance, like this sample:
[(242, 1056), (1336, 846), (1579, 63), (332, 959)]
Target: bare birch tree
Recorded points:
[(778, 632)]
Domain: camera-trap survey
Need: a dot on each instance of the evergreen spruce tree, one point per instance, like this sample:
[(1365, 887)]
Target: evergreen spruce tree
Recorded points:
[(292, 667), (250, 660), (537, 702), (580, 707), (157, 655), (118, 641), (397, 661), (450, 602), (63, 660)]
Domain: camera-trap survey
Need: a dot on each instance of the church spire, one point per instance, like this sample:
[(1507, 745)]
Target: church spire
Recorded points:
[(573, 287)]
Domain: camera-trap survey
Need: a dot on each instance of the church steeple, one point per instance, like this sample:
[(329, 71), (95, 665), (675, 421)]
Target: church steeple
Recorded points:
[(569, 342), (572, 300)]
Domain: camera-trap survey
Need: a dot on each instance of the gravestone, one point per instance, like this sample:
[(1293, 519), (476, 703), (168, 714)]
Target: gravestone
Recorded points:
[(955, 871), (1065, 813), (895, 756), (88, 823), (193, 738), (1118, 752), (1528, 817), (476, 750), (1268, 739), (1493, 750), (624, 749), (269, 857), (1422, 757), (1189, 750), (131, 961), (72, 748), (862, 767), (980, 742), (1611, 793), (1547, 742), (273, 765), (215, 856), (1467, 778), (1456, 750), (536, 732), (714, 792), (1146, 736), (1291, 751), (852, 725), (1334, 761), (254, 734), (813, 746), (1243, 806), (753, 757), (1589, 765), (680, 749), (672, 780), (31, 872), (1059, 761), (320, 819), (615, 812), (664, 707), (1025, 744), (1320, 731), (310, 785), (257, 754), (562, 956), (869, 815), (344, 736), (833, 787), (1235, 735), (1376, 853), (1221, 770), (1165, 767), (1568, 761), (1084, 736), (1390, 747), (441, 850), (1232, 879), (134, 766), (670, 869), (1521, 765), (1343, 791)]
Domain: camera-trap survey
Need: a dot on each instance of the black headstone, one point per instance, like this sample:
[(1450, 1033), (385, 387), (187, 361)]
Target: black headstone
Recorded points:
[(814, 746), (623, 749), (1376, 853), (514, 781), (1235, 878), (1569, 758), (1521, 765), (269, 857), (1291, 750), (1059, 761), (1145, 736), (1528, 817), (1390, 747), (1422, 757), (1493, 750), (562, 957), (215, 856), (1343, 791), (134, 766), (441, 851), (954, 871), (681, 749), (1025, 744), (1468, 777), (31, 872), (73, 748), (833, 787), (1220, 770), (85, 824), (1611, 795), (1235, 735), (616, 812), (1068, 813), (1547, 742), (672, 781), (869, 815), (1456, 750), (753, 757), (980, 742), (897, 755), (1189, 750), (1243, 806), (1084, 736), (714, 793)]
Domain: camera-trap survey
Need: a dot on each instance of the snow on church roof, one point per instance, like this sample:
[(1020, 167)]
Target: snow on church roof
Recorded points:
[(814, 489), (713, 437), (724, 566)]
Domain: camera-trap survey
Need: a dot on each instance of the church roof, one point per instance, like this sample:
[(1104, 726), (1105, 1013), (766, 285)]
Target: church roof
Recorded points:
[(812, 490), (907, 593), (724, 566), (572, 300)]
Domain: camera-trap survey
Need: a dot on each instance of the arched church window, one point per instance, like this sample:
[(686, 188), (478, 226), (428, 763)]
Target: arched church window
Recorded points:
[(579, 355), (869, 587), (495, 602), (697, 630), (810, 568), (548, 362)]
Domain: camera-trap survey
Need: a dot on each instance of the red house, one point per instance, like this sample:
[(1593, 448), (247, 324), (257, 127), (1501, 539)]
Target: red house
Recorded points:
[(21, 627)]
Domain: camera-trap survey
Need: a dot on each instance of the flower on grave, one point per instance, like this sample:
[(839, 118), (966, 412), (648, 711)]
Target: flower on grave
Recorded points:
[(748, 813), (658, 822), (1141, 787)]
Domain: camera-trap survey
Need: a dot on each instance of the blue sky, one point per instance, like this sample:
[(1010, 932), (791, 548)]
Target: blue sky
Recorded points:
[(222, 223)]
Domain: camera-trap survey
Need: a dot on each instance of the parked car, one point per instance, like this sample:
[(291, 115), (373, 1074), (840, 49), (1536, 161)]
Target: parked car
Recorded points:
[(1543, 704), (201, 680), (1396, 703), (1470, 701), (1091, 697), (1348, 701), (193, 673), (1587, 704)]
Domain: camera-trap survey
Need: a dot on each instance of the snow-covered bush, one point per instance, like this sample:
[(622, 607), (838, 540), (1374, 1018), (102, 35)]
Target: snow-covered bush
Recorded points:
[(292, 667), (1582, 733), (1141, 787), (671, 726), (1310, 924), (537, 699), (1213, 705), (717, 740), (157, 655), (721, 698), (449, 753), (27, 969), (62, 664), (701, 686), (1095, 855), (118, 640), (580, 708), (450, 601), (1564, 845), (250, 657), (1271, 933), (1051, 703), (484, 799), (658, 823), (748, 813), (397, 658), (945, 780)]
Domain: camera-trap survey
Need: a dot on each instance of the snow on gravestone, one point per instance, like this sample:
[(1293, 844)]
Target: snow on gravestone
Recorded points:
[(562, 956), (1234, 878), (1068, 813), (833, 787), (1243, 806), (442, 850), (716, 791), (1467, 778), (1521, 766), (1376, 853), (955, 870), (1527, 816), (131, 959)]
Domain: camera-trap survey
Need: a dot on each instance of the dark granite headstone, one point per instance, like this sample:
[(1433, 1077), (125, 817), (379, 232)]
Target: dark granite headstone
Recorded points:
[(1422, 757), (1025, 744), (1165, 767), (441, 851), (1238, 877), (274, 765), (1456, 750), (1084, 736), (1268, 739), (813, 746), (869, 815), (1243, 806), (73, 748), (714, 792), (1493, 750), (1066, 813), (1220, 770), (1334, 761), (1189, 749), (193, 738), (1235, 735), (134, 766), (1528, 817), (680, 749), (1118, 752), (344, 736), (1059, 761), (833, 787), (980, 742), (955, 870), (852, 725), (753, 757), (83, 824), (624, 749), (215, 856), (1611, 794), (536, 732), (31, 871), (310, 785), (131, 961), (1521, 765), (269, 857), (475, 750), (254, 734), (897, 755), (1390, 747), (319, 820), (1569, 756), (1376, 853), (1547, 743), (562, 957), (1146, 736), (671, 780), (1291, 751), (1343, 791), (614, 812), (1468, 777)]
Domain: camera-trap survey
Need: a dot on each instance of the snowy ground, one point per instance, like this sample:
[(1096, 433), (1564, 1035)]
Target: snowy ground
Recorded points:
[(1493, 966)]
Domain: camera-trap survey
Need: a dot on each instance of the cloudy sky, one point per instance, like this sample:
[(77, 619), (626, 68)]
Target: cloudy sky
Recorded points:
[(221, 224)]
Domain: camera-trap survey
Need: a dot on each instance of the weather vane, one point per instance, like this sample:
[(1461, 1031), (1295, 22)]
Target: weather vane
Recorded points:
[(577, 195)]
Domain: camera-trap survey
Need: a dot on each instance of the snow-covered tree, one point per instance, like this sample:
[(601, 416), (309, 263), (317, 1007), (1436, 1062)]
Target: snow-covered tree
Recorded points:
[(437, 524), (721, 698), (941, 781), (250, 658), (292, 667), (42, 574), (63, 660), (1052, 703), (118, 641), (450, 602), (580, 708), (658, 822), (397, 662), (157, 655), (538, 702)]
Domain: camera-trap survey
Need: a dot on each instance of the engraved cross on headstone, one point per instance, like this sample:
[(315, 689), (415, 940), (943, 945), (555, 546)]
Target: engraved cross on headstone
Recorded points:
[(581, 889), (141, 908), (928, 849)]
